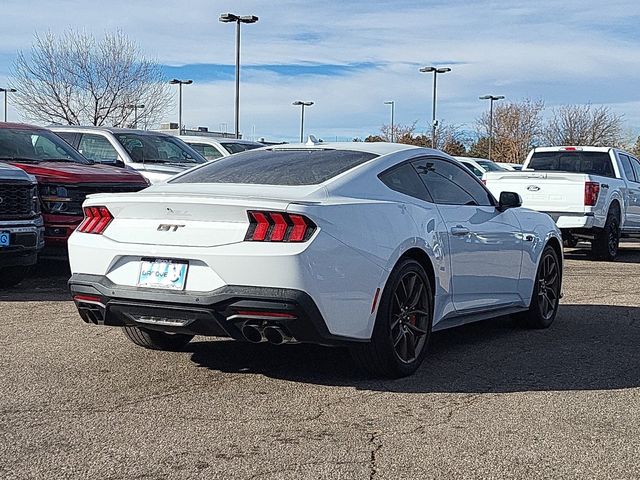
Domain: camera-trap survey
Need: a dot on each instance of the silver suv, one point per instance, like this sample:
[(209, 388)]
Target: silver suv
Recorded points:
[(157, 156)]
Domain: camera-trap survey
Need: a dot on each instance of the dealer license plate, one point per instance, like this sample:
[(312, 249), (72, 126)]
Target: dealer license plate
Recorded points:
[(5, 239), (163, 273)]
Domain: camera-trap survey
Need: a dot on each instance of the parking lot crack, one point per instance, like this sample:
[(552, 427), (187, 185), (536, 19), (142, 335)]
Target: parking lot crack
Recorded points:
[(375, 444)]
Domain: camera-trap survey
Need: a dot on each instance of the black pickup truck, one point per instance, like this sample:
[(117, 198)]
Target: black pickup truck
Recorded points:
[(21, 227)]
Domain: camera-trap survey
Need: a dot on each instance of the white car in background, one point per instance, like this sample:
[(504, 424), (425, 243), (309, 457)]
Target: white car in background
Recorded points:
[(480, 166), (368, 245), (213, 148), (156, 156), (510, 166)]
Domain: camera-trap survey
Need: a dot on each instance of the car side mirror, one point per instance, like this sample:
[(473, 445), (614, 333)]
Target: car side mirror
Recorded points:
[(509, 200)]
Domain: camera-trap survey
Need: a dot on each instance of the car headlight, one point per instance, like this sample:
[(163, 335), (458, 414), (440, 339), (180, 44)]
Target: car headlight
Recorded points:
[(35, 201)]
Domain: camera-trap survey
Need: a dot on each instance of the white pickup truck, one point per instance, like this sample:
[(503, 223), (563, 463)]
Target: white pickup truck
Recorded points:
[(592, 193)]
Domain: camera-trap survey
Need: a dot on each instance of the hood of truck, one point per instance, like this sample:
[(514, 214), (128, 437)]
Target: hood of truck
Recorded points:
[(67, 172), (14, 174)]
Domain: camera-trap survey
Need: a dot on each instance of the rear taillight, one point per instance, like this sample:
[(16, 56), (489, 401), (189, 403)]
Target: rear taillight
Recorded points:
[(591, 191), (96, 220), (278, 227)]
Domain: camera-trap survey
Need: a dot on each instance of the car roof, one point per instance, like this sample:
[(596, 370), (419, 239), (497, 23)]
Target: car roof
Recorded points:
[(216, 140), (376, 148), (93, 128), (20, 126), (575, 147)]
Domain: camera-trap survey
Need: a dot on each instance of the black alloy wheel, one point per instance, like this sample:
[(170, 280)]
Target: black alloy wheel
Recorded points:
[(409, 317), (402, 326), (548, 285)]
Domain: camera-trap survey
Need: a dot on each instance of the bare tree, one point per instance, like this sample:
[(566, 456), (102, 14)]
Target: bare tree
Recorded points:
[(450, 139), (517, 126), (76, 79), (585, 125)]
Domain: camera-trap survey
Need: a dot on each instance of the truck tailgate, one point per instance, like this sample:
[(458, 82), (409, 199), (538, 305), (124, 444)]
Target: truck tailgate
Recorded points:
[(542, 191)]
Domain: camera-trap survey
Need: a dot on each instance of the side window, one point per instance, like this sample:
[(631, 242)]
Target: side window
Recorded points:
[(476, 171), (69, 137), (450, 184), (207, 151), (626, 166), (636, 168), (404, 179), (97, 148)]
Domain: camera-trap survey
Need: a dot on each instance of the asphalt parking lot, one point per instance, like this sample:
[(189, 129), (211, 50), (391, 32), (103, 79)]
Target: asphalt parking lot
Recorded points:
[(492, 400)]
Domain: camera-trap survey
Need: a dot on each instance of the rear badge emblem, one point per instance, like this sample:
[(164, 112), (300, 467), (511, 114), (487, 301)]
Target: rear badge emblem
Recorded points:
[(533, 188), (165, 227)]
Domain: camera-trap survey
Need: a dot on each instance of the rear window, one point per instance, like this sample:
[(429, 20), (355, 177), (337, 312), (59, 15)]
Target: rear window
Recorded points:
[(232, 147), (277, 167), (592, 163)]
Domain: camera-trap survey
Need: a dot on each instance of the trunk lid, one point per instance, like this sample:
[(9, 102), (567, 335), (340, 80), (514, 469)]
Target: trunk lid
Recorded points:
[(201, 215)]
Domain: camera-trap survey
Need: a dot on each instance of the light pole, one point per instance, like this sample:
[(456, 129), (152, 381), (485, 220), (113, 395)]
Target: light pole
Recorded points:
[(491, 98), (302, 105), (175, 81), (6, 91), (135, 107), (229, 18), (393, 108), (435, 71)]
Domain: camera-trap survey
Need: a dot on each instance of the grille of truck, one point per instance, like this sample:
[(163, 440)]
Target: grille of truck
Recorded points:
[(16, 201)]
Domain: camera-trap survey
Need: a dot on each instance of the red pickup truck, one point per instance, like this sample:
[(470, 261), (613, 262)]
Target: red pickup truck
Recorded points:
[(64, 177)]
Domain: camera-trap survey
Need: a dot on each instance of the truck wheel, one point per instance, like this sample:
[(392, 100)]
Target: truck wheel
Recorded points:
[(546, 292), (403, 324), (605, 244), (12, 276), (155, 340)]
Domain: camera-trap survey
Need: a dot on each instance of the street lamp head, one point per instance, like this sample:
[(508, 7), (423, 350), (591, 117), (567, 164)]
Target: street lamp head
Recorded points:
[(491, 97), (232, 17), (389, 102), (435, 69), (8, 90), (175, 81), (299, 102), (248, 19), (228, 17)]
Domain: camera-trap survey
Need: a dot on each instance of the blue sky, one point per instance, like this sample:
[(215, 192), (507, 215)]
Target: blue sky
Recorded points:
[(349, 57)]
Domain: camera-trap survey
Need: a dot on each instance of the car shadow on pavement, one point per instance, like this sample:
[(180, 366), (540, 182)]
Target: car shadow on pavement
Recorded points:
[(589, 347), (627, 253), (47, 281)]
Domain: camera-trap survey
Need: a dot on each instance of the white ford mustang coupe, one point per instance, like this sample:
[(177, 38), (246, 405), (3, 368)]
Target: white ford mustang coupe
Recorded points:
[(368, 245)]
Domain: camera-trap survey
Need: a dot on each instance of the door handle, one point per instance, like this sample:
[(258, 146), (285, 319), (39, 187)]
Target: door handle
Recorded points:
[(459, 231)]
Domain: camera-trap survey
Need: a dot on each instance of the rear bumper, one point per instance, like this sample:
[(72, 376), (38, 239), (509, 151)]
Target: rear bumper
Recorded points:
[(215, 313), (566, 221)]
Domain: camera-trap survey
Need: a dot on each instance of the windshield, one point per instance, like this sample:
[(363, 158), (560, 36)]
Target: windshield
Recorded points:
[(592, 163), (25, 145), (489, 166), (277, 167), (149, 148), (233, 147)]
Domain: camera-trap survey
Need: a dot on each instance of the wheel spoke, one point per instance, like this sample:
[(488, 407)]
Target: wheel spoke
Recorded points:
[(415, 298), (416, 330), (411, 345), (395, 322), (398, 338), (411, 285), (403, 346)]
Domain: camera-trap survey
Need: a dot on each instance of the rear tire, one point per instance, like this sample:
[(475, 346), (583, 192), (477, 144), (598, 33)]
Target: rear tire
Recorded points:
[(155, 340), (12, 276), (403, 324), (546, 292), (605, 244)]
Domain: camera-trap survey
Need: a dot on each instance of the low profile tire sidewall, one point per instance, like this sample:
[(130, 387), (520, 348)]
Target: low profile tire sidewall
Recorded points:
[(535, 309), (381, 334)]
